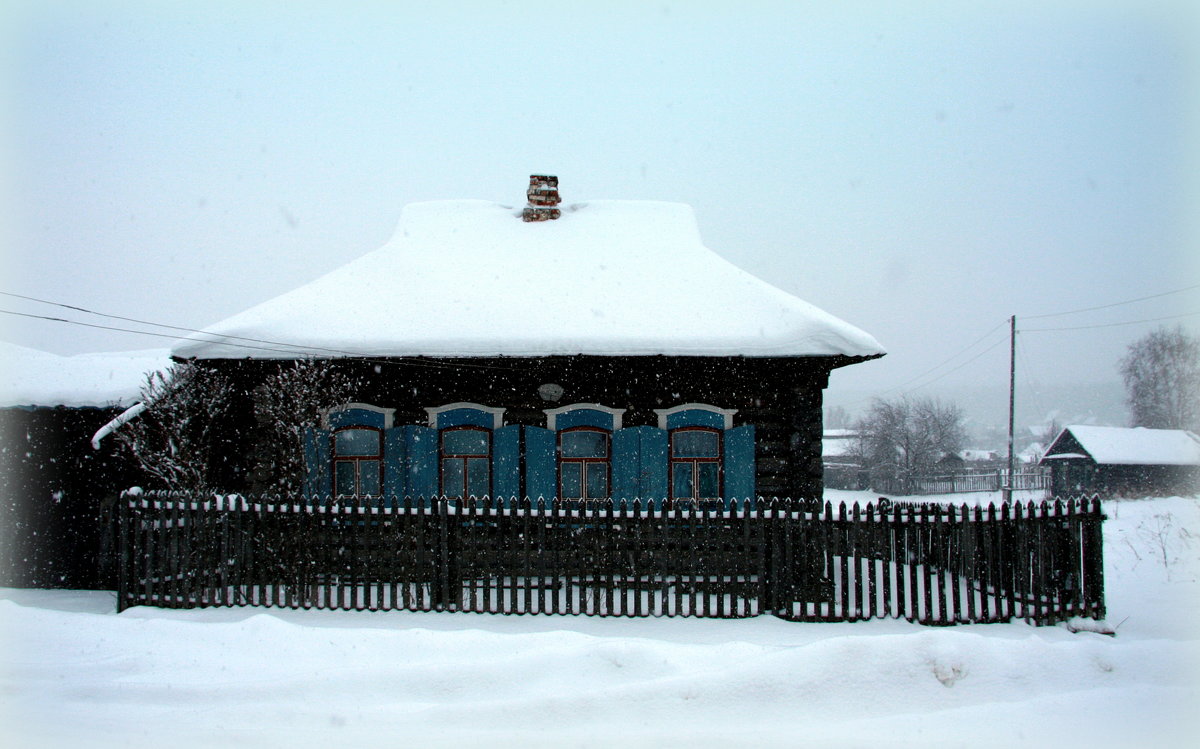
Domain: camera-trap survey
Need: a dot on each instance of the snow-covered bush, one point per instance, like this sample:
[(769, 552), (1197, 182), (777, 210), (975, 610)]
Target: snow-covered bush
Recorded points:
[(285, 404), (181, 431)]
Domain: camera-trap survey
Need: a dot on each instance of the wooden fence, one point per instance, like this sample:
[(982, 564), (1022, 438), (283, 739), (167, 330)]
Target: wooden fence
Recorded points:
[(960, 483), (798, 560)]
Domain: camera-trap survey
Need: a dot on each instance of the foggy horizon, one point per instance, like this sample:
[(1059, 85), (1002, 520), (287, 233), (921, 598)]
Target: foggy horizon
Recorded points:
[(922, 172)]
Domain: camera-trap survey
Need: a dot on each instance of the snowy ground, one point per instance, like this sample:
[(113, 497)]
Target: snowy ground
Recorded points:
[(77, 674)]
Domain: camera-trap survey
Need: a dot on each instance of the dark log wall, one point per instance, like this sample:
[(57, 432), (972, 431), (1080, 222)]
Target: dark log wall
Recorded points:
[(1082, 476), (54, 489), (780, 396)]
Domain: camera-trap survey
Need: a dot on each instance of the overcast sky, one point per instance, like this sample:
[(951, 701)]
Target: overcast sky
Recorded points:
[(922, 172)]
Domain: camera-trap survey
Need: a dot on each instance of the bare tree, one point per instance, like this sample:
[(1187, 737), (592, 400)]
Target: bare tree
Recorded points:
[(1050, 431), (1162, 380), (912, 434), (285, 405), (836, 417), (176, 438)]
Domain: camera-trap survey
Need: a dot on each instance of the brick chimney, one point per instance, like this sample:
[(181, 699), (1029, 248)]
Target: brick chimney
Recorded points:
[(543, 197)]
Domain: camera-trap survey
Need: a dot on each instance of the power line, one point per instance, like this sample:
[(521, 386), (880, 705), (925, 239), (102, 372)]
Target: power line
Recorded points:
[(1112, 324), (128, 330), (224, 338), (407, 361), (936, 367), (218, 337), (1114, 304), (1025, 369), (959, 353), (960, 366)]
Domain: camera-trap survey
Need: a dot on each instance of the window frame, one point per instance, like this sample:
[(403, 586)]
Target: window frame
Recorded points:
[(356, 460), (465, 458), (695, 462), (585, 463)]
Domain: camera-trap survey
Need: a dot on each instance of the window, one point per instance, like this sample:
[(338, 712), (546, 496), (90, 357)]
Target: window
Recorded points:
[(584, 465), (582, 447), (357, 461), (466, 462), (695, 463)]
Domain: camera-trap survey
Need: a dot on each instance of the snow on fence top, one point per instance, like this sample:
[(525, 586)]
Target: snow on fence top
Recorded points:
[(470, 278), (29, 377), (1136, 446)]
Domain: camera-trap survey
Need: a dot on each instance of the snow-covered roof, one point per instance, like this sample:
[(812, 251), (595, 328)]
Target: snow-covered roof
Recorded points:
[(1126, 446), (470, 278), (1032, 452), (29, 377), (978, 455), (839, 433), (838, 443)]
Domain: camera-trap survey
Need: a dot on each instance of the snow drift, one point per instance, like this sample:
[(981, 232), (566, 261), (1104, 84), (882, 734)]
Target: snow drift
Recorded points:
[(77, 674)]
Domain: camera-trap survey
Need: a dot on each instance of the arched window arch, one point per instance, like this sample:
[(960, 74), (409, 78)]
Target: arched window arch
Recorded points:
[(466, 444), (699, 440), (354, 433), (583, 446)]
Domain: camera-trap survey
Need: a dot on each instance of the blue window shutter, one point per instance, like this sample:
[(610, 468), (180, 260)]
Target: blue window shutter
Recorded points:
[(626, 464), (395, 475), (639, 456), (317, 461), (421, 451), (541, 469), (653, 468), (739, 463), (506, 462)]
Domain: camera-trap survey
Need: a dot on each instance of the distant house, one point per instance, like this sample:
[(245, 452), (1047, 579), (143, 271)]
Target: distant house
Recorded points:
[(590, 351), (1031, 454), (1118, 461), (980, 456), (843, 465), (52, 482)]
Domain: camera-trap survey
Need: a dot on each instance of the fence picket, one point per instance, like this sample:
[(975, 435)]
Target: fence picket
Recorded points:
[(953, 563), (894, 578), (1075, 542)]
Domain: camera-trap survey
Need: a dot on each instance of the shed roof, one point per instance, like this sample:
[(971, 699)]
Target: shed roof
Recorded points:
[(1127, 446), (838, 443), (470, 278), (29, 377)]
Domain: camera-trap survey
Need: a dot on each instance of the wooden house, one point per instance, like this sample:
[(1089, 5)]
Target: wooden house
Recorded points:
[(842, 463), (1118, 461), (603, 352), (52, 482)]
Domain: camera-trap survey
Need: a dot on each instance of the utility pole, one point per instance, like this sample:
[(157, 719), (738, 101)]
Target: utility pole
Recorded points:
[(1006, 490)]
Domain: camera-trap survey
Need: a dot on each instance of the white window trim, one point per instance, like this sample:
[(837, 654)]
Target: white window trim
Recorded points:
[(727, 413), (552, 413), (435, 411), (387, 413)]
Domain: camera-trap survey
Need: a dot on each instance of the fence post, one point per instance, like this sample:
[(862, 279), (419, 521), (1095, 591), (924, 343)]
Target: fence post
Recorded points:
[(1093, 566), (122, 522)]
